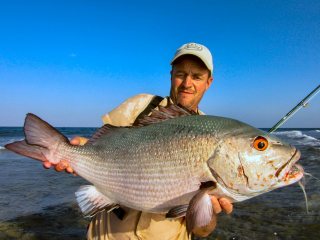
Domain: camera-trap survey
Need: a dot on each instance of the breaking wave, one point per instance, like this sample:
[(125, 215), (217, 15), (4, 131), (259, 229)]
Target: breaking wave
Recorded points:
[(298, 137), (6, 140)]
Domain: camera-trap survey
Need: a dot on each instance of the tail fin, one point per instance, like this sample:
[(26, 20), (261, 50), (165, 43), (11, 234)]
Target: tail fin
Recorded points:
[(23, 148), (41, 133), (41, 141)]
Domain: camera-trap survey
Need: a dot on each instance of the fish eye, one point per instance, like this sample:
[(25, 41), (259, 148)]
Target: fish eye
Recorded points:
[(260, 143)]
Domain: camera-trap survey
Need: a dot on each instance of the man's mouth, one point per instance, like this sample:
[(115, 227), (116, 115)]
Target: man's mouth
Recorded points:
[(185, 92)]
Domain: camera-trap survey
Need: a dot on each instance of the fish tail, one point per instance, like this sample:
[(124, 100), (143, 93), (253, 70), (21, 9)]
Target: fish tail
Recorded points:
[(23, 148), (41, 140)]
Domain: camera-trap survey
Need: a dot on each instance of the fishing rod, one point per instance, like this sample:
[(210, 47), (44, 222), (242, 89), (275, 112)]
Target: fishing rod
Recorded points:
[(301, 104)]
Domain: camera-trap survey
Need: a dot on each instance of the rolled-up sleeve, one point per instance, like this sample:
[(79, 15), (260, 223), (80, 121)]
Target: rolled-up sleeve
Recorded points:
[(127, 112)]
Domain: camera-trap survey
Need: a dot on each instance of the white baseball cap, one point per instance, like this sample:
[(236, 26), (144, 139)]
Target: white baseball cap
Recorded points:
[(197, 50)]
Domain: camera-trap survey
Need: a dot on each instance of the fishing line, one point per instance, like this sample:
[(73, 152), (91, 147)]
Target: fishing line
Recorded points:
[(305, 195), (310, 175)]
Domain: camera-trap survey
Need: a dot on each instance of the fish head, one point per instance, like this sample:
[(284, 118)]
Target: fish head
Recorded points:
[(249, 162)]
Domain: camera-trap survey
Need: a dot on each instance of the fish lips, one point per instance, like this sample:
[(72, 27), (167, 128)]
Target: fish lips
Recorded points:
[(291, 172)]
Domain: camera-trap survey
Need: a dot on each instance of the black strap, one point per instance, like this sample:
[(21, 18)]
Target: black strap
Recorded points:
[(119, 212), (153, 104)]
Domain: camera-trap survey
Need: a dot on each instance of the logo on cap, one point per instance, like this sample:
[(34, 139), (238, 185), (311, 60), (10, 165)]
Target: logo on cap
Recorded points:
[(193, 46)]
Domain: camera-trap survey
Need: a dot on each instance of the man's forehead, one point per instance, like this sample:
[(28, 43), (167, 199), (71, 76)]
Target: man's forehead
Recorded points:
[(191, 72)]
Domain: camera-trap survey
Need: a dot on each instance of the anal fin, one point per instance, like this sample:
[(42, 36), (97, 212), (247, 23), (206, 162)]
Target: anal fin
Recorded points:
[(91, 201)]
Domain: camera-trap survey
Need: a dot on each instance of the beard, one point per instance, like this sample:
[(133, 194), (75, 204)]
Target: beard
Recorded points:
[(185, 97), (186, 100)]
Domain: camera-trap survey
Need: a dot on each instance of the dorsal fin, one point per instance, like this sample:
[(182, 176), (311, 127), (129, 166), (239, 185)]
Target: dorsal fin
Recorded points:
[(152, 105), (164, 113), (157, 115), (105, 129)]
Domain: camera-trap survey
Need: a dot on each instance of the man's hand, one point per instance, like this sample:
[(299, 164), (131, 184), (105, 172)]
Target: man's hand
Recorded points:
[(64, 165), (218, 205), (221, 204)]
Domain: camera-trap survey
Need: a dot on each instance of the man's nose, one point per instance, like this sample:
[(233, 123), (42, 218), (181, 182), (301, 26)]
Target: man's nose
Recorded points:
[(187, 81)]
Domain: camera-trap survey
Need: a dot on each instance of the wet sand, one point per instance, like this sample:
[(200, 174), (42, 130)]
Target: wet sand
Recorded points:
[(56, 222)]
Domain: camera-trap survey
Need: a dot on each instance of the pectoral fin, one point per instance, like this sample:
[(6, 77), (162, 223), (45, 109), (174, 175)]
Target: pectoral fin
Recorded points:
[(91, 201), (176, 212), (200, 211)]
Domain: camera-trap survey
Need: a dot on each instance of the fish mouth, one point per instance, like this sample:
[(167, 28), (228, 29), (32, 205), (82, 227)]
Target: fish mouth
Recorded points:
[(291, 172), (295, 174)]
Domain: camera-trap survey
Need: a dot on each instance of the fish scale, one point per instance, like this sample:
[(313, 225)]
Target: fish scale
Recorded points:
[(137, 171)]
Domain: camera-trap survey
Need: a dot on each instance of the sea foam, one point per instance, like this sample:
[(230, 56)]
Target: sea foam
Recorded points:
[(299, 137)]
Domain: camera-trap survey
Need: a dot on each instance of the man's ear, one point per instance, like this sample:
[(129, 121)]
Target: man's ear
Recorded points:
[(209, 82)]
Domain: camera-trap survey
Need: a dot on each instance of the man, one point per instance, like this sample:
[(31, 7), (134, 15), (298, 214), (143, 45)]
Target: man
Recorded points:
[(191, 76)]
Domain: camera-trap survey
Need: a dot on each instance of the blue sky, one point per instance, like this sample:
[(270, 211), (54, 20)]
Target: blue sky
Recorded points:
[(71, 61)]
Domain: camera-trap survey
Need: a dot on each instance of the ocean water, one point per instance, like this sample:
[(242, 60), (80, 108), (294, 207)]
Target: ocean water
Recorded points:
[(39, 204)]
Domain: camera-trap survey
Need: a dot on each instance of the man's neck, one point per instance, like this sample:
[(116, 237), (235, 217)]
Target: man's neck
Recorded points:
[(196, 110)]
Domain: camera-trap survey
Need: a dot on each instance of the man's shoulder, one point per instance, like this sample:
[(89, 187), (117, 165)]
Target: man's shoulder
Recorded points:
[(141, 101), (126, 113), (140, 98)]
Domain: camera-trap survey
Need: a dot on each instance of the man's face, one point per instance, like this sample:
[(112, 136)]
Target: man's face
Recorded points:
[(189, 81)]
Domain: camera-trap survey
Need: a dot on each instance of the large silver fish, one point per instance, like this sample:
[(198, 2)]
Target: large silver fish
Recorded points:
[(168, 164)]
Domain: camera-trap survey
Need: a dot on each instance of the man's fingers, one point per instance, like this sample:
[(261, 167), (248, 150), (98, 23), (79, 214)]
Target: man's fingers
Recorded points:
[(47, 165), (69, 170), (62, 165), (215, 205), (226, 205), (79, 141), (75, 141), (59, 167)]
